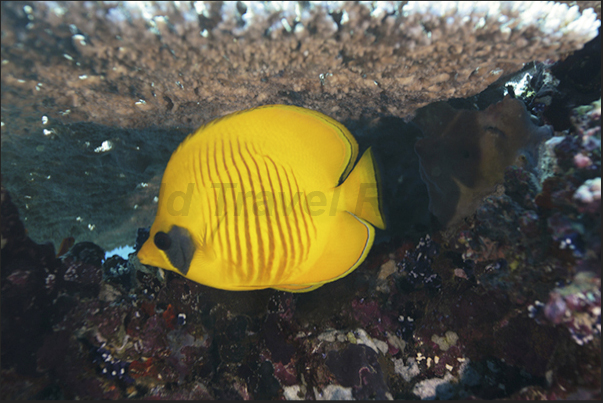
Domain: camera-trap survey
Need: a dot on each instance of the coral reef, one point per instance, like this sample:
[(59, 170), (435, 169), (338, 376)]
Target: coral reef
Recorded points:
[(464, 153), (450, 317), (184, 63), (503, 305), (578, 307)]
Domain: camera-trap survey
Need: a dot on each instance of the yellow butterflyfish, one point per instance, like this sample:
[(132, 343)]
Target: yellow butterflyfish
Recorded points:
[(266, 198)]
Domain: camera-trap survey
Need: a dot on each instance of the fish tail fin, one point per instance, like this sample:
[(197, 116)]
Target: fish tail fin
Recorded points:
[(362, 191)]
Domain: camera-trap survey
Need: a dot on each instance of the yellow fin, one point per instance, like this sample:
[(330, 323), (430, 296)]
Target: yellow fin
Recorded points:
[(299, 288), (326, 152), (362, 193), (313, 144), (341, 255)]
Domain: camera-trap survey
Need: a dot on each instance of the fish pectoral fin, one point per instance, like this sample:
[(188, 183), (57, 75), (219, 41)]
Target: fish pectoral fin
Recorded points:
[(342, 254)]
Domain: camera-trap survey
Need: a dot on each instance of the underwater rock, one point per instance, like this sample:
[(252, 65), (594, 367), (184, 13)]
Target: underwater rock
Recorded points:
[(216, 56), (266, 385), (415, 270), (408, 371), (440, 388), (464, 153), (29, 276), (83, 273), (118, 270), (579, 84), (578, 307), (571, 197), (358, 367), (87, 252), (508, 220), (446, 341), (334, 392), (232, 343), (567, 233), (281, 350), (110, 367), (68, 324), (589, 195)]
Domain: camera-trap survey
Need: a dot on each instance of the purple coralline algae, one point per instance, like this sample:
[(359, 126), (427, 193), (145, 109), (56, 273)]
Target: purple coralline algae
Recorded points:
[(416, 266), (577, 306), (505, 303)]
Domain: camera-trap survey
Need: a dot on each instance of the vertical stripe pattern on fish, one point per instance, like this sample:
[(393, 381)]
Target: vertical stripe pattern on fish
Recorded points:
[(266, 197)]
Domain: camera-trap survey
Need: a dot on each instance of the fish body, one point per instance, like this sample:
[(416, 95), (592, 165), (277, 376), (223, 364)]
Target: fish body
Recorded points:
[(266, 198)]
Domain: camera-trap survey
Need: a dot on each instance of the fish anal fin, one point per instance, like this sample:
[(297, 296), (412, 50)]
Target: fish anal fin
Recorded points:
[(342, 254)]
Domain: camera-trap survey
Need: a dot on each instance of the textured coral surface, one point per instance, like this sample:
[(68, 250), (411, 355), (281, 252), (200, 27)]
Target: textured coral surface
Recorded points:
[(169, 64), (505, 303), (464, 152)]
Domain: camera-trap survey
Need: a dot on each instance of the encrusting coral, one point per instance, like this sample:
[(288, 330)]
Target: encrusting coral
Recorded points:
[(505, 304), (464, 153)]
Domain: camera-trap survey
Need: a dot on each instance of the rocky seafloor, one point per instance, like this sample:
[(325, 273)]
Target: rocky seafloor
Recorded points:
[(503, 303)]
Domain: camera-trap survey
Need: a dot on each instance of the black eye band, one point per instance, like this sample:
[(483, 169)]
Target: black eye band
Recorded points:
[(162, 240)]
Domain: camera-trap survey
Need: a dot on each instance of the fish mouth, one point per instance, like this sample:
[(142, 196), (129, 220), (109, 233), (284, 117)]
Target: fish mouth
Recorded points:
[(150, 256), (172, 250)]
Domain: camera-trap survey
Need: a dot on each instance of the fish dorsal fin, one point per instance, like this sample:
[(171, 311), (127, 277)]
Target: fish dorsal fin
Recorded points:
[(347, 151), (313, 144)]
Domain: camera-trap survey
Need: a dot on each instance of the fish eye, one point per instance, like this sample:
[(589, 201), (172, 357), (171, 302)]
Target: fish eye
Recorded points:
[(162, 240)]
